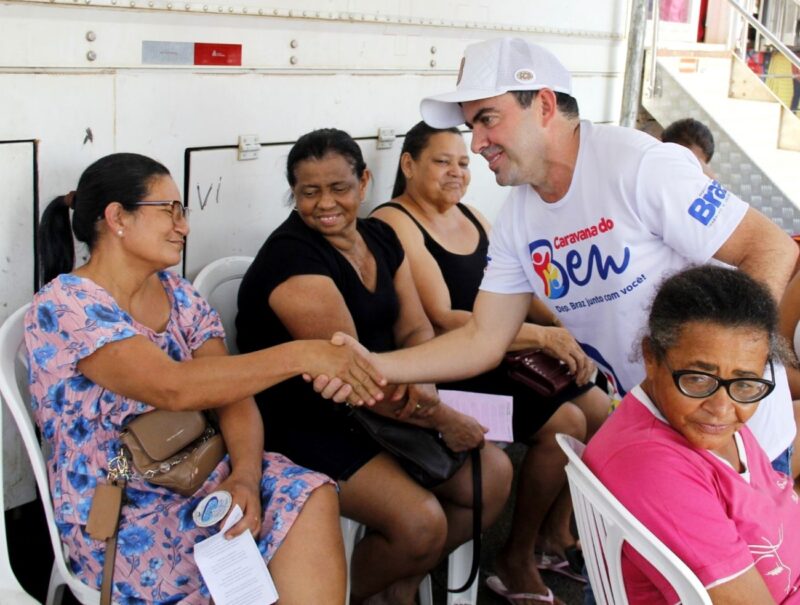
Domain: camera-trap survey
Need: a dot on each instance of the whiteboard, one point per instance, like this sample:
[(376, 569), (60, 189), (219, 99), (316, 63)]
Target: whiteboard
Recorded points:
[(16, 267), (235, 205)]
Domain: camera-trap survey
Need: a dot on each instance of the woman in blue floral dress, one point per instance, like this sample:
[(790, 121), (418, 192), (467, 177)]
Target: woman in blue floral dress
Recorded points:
[(120, 331)]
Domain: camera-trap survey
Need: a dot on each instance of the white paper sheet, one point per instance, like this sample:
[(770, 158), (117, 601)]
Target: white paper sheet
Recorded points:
[(492, 411), (234, 570)]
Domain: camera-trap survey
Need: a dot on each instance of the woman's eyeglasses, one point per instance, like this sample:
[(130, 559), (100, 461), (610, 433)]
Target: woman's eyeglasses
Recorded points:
[(179, 211), (694, 383)]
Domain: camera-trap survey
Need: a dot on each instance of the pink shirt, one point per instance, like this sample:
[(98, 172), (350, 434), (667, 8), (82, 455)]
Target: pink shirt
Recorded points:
[(720, 523)]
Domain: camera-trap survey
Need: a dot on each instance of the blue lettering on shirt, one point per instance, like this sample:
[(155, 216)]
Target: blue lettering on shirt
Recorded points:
[(704, 208)]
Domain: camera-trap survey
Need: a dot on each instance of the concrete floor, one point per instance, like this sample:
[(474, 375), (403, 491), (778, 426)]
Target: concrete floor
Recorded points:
[(569, 591)]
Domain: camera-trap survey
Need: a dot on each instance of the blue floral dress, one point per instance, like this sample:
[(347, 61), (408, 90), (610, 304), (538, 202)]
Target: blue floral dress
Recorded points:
[(70, 318)]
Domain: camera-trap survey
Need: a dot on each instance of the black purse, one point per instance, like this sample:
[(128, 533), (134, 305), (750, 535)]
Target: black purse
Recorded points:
[(424, 455)]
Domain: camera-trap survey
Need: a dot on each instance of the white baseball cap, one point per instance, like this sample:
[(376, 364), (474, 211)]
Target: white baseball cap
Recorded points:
[(492, 68)]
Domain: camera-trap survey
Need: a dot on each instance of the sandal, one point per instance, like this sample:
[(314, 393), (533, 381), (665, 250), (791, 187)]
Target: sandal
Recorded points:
[(496, 585), (558, 564)]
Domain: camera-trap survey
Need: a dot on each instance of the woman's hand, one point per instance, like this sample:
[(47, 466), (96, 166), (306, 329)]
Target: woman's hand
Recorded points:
[(420, 400), (344, 373), (245, 492), (459, 431), (559, 343)]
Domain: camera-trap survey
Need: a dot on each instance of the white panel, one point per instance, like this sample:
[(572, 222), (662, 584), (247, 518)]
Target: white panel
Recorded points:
[(298, 43), (57, 110), (16, 278), (16, 228), (237, 204)]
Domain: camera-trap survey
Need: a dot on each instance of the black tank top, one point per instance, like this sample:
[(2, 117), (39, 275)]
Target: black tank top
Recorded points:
[(462, 272)]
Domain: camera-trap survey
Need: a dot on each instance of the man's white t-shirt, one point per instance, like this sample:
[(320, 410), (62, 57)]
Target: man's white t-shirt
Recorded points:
[(637, 211)]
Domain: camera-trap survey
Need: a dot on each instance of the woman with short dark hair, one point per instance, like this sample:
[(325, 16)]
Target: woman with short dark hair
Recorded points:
[(678, 455)]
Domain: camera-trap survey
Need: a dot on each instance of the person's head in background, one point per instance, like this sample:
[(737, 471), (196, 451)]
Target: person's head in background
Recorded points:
[(696, 137), (433, 165)]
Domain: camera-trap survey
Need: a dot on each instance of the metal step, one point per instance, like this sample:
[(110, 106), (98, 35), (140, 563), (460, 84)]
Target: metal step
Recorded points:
[(747, 159)]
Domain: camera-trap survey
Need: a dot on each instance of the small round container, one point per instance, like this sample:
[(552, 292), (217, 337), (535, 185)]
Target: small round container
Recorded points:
[(212, 509)]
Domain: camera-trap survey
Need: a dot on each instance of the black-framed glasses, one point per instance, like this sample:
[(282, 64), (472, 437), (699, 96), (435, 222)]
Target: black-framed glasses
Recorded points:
[(697, 384), (179, 211)]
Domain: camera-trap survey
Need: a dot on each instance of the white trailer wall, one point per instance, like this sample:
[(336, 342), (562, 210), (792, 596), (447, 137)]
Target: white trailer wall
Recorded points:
[(72, 78)]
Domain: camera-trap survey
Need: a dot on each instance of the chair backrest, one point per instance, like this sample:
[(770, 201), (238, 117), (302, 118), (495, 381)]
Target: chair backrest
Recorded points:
[(12, 354), (604, 525), (10, 590), (218, 282)]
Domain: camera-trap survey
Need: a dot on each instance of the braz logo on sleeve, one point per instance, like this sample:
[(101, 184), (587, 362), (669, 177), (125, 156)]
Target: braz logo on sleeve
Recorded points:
[(705, 207)]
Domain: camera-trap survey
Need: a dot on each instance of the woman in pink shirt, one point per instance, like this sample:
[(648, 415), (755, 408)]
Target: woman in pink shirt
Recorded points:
[(678, 455)]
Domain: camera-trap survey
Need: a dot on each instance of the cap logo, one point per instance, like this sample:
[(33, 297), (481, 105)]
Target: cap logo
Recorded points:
[(460, 70), (524, 76)]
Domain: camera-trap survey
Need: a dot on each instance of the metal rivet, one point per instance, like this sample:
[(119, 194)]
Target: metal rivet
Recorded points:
[(433, 62), (91, 36), (205, 7), (260, 11), (132, 4), (244, 10), (433, 50), (293, 43), (169, 5), (91, 55), (293, 60), (230, 9)]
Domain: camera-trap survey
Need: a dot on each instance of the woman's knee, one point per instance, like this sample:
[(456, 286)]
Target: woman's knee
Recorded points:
[(568, 419), (496, 474), (595, 405), (324, 502), (420, 531)]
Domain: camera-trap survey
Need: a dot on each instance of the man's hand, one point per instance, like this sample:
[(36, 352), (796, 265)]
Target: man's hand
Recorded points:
[(344, 373)]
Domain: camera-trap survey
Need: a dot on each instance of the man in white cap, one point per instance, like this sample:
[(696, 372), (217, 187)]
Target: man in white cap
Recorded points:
[(597, 217)]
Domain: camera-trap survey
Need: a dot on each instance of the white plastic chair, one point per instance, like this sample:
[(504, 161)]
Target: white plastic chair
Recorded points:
[(11, 592), (12, 383), (604, 524), (458, 566), (218, 282)]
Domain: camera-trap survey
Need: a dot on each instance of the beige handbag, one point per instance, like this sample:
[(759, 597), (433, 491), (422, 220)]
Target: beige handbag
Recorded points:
[(177, 450)]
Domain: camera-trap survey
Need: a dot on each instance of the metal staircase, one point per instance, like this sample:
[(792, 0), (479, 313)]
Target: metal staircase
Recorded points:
[(757, 136)]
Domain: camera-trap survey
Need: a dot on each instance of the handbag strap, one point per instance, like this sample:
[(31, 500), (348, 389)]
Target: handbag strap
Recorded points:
[(110, 558), (477, 513)]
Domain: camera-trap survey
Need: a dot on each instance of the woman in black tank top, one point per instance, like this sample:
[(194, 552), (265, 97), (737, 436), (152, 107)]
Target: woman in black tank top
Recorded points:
[(446, 243)]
